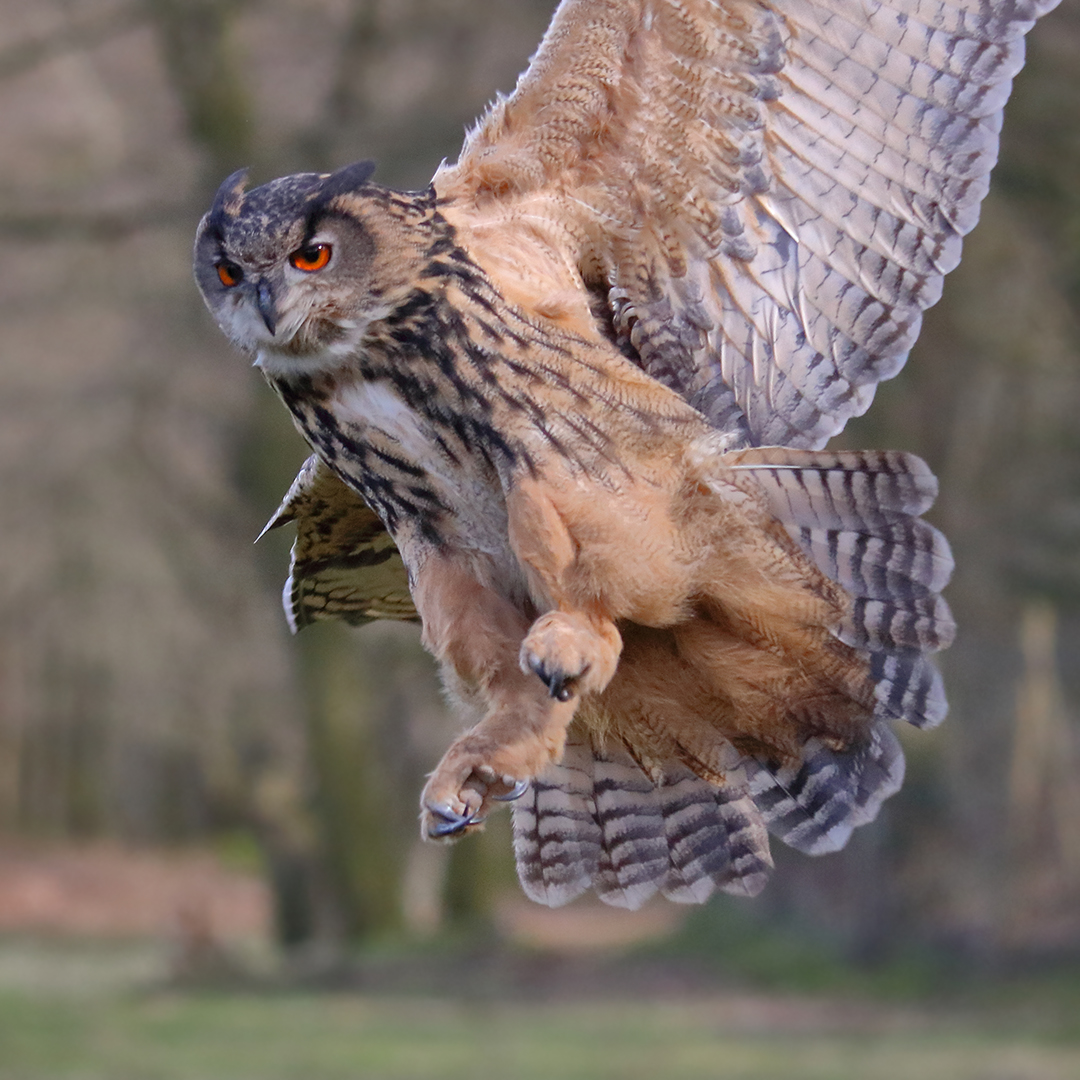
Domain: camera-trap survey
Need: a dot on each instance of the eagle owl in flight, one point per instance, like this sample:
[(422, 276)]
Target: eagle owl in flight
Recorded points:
[(567, 408)]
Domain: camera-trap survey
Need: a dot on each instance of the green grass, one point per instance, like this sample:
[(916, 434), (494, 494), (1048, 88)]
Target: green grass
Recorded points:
[(319, 1038), (71, 1015)]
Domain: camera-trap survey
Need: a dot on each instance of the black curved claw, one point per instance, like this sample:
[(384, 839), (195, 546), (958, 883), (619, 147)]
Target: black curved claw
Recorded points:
[(557, 681), (451, 822), (516, 792)]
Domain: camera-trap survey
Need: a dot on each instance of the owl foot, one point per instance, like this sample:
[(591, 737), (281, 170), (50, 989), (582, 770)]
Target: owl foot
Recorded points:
[(571, 653), (442, 818)]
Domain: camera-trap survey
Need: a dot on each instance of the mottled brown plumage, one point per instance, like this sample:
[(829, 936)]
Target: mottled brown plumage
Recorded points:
[(545, 390)]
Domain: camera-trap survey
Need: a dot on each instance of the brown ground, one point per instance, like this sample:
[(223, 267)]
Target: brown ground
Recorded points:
[(104, 890), (109, 891)]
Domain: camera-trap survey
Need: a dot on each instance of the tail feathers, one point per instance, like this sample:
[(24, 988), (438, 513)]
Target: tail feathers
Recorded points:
[(716, 840), (597, 820), (908, 687), (557, 837), (633, 850), (854, 514), (814, 805)]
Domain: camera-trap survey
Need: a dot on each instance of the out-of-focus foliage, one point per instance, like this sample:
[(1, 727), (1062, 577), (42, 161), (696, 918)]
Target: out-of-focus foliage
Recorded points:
[(148, 687)]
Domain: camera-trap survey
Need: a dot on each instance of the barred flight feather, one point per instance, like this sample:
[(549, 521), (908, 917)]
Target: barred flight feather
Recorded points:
[(633, 854), (908, 687), (850, 490), (923, 623), (904, 560), (715, 839), (854, 514), (557, 838)]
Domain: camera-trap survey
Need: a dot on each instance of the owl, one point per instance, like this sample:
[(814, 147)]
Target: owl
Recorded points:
[(568, 406)]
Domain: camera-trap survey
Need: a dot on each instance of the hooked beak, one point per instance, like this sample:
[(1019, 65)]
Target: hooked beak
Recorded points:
[(264, 300)]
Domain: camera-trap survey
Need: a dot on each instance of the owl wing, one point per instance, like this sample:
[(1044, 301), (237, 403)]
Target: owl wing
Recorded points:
[(768, 195), (344, 563)]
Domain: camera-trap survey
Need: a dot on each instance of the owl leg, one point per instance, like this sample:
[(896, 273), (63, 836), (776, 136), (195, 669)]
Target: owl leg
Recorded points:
[(574, 648), (476, 634)]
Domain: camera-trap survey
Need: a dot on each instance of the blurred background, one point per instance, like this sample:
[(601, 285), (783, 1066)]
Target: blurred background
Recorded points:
[(173, 763)]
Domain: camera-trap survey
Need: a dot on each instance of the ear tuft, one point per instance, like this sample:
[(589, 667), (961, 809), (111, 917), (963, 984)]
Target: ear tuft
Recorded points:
[(230, 194), (346, 179)]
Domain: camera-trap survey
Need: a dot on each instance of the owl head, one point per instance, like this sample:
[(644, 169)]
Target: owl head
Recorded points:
[(294, 271)]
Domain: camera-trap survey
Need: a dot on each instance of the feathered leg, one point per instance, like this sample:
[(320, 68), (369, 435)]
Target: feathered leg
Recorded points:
[(476, 635), (573, 648)]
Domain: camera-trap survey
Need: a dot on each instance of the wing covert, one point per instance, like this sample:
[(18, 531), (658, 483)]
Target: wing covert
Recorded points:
[(768, 195), (344, 564)]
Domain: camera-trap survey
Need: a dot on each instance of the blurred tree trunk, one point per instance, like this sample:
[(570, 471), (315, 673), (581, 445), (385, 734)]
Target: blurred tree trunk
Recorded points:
[(196, 43), (357, 799)]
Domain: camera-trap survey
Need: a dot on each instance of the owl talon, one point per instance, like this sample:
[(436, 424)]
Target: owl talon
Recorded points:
[(558, 682), (519, 789), (571, 653), (451, 822)]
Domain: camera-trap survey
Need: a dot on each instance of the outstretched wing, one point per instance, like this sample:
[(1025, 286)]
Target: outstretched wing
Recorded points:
[(344, 563), (767, 194)]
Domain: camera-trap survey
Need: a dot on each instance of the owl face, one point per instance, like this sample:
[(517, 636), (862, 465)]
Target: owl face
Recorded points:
[(288, 269)]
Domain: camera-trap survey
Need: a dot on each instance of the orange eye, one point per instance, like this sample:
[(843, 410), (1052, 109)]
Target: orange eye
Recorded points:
[(311, 258), (230, 274)]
